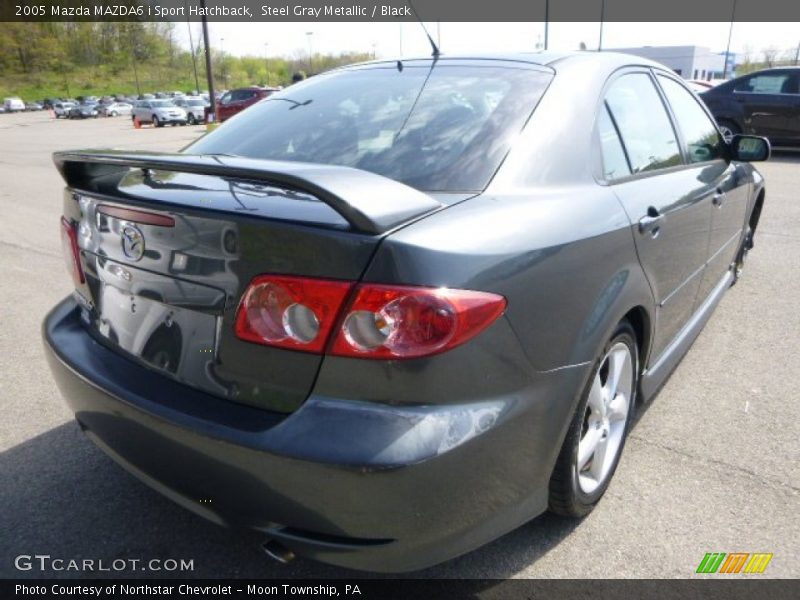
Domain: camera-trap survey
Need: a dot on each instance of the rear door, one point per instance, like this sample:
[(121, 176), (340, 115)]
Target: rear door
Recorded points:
[(771, 104), (705, 150), (667, 201)]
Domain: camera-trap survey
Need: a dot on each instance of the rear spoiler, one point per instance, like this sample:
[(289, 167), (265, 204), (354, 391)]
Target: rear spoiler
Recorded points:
[(370, 203)]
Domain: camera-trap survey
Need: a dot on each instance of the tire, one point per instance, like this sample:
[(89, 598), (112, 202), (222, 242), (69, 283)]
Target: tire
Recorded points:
[(728, 129), (191, 119), (113, 113), (575, 488), (156, 122)]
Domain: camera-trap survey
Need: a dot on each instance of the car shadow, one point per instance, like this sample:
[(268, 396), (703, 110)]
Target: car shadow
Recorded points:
[(62, 497), (785, 155)]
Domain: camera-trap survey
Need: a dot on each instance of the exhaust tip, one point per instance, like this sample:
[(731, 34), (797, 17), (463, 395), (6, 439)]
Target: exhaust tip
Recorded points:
[(277, 551)]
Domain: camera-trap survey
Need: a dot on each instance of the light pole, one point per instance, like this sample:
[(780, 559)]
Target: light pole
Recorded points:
[(266, 61), (546, 21), (310, 54), (728, 48), (194, 58), (223, 63)]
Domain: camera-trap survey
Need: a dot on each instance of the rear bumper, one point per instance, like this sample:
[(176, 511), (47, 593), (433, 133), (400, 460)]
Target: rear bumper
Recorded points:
[(362, 485)]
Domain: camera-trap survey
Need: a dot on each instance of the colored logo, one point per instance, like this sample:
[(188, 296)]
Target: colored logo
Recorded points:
[(132, 242), (735, 562)]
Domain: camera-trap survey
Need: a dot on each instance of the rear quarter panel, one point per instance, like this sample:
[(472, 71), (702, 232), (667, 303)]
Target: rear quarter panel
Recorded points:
[(564, 259)]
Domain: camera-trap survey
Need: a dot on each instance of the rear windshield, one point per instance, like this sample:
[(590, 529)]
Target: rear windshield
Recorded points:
[(441, 129)]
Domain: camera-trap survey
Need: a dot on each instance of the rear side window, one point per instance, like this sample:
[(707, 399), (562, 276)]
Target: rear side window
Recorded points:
[(445, 128), (643, 123), (768, 83), (702, 140), (615, 163)]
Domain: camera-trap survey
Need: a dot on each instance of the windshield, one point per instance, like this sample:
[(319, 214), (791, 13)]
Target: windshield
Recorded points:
[(445, 129), (195, 103), (161, 103)]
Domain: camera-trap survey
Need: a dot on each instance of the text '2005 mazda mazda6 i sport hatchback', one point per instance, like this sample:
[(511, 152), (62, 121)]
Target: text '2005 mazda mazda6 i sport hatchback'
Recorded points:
[(392, 312)]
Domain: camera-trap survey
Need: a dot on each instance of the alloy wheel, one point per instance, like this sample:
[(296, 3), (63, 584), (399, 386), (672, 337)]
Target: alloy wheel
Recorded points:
[(605, 418)]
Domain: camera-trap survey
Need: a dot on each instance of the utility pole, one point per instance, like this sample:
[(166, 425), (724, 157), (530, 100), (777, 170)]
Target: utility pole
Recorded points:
[(209, 74), (602, 19), (728, 48), (797, 55)]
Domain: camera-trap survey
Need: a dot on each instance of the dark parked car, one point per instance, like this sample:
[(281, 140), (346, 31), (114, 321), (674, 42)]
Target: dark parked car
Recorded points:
[(762, 103), (401, 308), (84, 111), (235, 101)]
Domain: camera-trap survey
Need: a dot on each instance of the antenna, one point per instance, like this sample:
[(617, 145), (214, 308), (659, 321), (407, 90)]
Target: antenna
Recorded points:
[(436, 52)]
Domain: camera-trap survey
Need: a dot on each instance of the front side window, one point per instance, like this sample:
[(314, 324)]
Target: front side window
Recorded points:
[(643, 123), (702, 139), (445, 128)]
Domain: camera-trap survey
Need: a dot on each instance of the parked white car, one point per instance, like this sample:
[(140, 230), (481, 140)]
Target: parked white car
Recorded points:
[(195, 108), (61, 109), (159, 112), (115, 109), (13, 104)]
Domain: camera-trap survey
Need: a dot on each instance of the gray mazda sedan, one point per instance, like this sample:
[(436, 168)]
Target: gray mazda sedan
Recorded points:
[(392, 312)]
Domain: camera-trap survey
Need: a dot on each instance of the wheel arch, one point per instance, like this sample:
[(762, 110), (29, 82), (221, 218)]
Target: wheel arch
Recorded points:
[(755, 213), (640, 320)]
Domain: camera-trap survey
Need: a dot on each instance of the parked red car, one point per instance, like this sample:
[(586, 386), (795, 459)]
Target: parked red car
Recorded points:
[(235, 101)]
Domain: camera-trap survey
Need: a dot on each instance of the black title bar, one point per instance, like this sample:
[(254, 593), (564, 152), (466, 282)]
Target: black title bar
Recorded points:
[(707, 588), (401, 10)]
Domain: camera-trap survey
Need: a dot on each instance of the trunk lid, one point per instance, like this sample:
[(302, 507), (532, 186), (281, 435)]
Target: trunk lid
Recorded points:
[(169, 243)]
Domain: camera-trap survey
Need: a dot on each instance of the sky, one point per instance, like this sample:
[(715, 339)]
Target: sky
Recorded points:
[(408, 39)]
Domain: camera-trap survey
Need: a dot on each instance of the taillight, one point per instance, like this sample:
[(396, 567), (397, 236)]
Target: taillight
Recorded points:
[(71, 251), (381, 321), (406, 322), (290, 312)]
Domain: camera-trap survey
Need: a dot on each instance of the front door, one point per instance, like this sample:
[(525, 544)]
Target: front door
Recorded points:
[(728, 193)]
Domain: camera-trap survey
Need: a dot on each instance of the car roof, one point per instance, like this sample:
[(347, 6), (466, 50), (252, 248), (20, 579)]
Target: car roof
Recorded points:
[(555, 61)]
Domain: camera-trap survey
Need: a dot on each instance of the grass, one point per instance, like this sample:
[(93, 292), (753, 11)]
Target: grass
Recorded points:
[(98, 81)]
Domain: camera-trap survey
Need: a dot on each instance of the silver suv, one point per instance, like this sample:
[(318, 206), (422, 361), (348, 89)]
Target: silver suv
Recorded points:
[(158, 112), (194, 106)]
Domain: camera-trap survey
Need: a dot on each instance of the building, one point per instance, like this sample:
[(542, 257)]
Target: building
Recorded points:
[(690, 62)]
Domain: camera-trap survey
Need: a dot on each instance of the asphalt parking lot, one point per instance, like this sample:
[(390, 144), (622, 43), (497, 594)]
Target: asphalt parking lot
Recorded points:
[(712, 465)]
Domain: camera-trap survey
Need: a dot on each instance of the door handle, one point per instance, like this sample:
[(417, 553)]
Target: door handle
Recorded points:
[(651, 221), (719, 198)]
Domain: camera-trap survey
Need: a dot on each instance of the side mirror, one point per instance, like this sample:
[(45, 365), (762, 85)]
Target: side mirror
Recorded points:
[(750, 148)]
